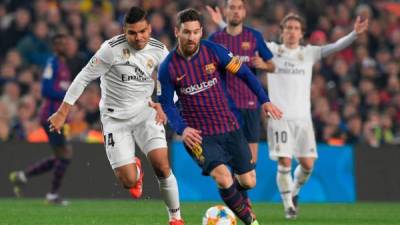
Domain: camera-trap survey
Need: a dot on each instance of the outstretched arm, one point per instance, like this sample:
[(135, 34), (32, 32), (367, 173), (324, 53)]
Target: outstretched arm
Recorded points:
[(360, 26), (216, 16), (98, 65)]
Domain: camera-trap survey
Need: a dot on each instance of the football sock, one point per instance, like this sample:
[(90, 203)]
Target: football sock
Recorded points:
[(170, 194), (301, 176), (61, 166), (241, 189), (285, 183), (235, 201), (40, 167)]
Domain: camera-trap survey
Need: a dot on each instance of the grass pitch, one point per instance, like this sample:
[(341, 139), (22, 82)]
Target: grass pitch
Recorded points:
[(149, 212)]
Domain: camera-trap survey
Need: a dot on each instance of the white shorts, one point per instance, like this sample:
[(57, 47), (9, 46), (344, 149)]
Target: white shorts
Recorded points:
[(120, 136), (288, 138)]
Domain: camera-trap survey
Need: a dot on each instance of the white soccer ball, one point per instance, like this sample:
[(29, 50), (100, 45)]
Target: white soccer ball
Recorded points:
[(219, 215)]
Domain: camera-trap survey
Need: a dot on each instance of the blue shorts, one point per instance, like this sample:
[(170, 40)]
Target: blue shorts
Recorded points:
[(56, 140), (251, 124), (229, 148)]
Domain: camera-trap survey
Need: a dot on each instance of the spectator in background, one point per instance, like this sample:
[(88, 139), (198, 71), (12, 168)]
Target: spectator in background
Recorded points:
[(17, 30), (381, 44), (10, 97), (34, 48)]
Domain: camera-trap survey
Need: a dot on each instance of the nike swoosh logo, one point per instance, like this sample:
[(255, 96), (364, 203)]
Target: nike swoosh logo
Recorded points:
[(180, 77)]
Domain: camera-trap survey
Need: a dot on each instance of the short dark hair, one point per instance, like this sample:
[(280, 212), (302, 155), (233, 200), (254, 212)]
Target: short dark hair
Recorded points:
[(294, 16), (57, 37), (188, 15), (134, 15), (226, 2)]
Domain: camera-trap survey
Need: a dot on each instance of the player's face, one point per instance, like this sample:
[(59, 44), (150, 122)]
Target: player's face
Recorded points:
[(189, 35), (235, 12), (137, 34), (292, 33), (60, 46)]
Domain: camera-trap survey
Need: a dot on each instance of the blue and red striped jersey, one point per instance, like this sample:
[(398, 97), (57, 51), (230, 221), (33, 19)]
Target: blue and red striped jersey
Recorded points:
[(56, 79), (200, 85), (244, 45)]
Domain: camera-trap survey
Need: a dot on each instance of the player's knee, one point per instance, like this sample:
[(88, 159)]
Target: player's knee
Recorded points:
[(286, 162), (223, 181), (162, 170), (64, 152), (248, 182), (307, 166)]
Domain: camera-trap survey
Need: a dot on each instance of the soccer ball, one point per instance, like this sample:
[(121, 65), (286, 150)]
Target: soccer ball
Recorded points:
[(219, 215)]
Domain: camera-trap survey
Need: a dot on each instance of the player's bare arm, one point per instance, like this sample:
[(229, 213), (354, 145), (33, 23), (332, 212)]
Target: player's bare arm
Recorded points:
[(57, 120)]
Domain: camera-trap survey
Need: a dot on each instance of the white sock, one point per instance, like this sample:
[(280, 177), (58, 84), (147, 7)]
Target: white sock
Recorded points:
[(301, 176), (170, 194), (285, 184)]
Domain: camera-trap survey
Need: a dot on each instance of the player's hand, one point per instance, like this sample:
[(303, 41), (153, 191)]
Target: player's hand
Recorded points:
[(270, 109), (215, 14), (161, 118), (259, 63), (56, 122), (191, 137), (361, 25)]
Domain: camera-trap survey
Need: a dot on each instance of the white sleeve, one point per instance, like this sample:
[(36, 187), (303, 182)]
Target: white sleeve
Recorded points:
[(315, 52), (98, 65), (339, 44), (165, 53)]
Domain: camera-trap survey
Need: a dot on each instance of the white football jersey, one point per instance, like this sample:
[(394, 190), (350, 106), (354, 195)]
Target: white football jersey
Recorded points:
[(289, 86), (125, 76)]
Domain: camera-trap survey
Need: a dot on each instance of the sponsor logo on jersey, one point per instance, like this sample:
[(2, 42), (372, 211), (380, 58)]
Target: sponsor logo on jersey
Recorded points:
[(94, 61), (138, 75), (246, 45), (197, 88), (126, 53), (210, 68)]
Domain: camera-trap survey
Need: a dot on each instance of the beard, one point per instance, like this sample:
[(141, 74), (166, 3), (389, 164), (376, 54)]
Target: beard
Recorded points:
[(235, 22), (189, 50)]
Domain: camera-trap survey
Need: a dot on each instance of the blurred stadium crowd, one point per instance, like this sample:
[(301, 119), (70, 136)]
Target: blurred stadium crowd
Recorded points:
[(355, 93)]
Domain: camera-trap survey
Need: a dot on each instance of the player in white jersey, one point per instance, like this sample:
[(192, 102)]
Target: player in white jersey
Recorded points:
[(289, 88), (125, 65)]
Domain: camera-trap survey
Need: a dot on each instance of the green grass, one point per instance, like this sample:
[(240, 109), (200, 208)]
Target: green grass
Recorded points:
[(147, 212)]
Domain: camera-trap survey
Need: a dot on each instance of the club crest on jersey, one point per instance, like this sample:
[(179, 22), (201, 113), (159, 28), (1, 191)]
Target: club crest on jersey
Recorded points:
[(150, 63), (300, 57), (126, 53), (210, 68), (246, 45), (280, 52)]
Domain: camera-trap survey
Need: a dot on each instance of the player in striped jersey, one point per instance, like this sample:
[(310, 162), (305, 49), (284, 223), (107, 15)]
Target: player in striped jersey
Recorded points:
[(289, 87), (125, 65), (248, 44), (196, 70), (55, 81)]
